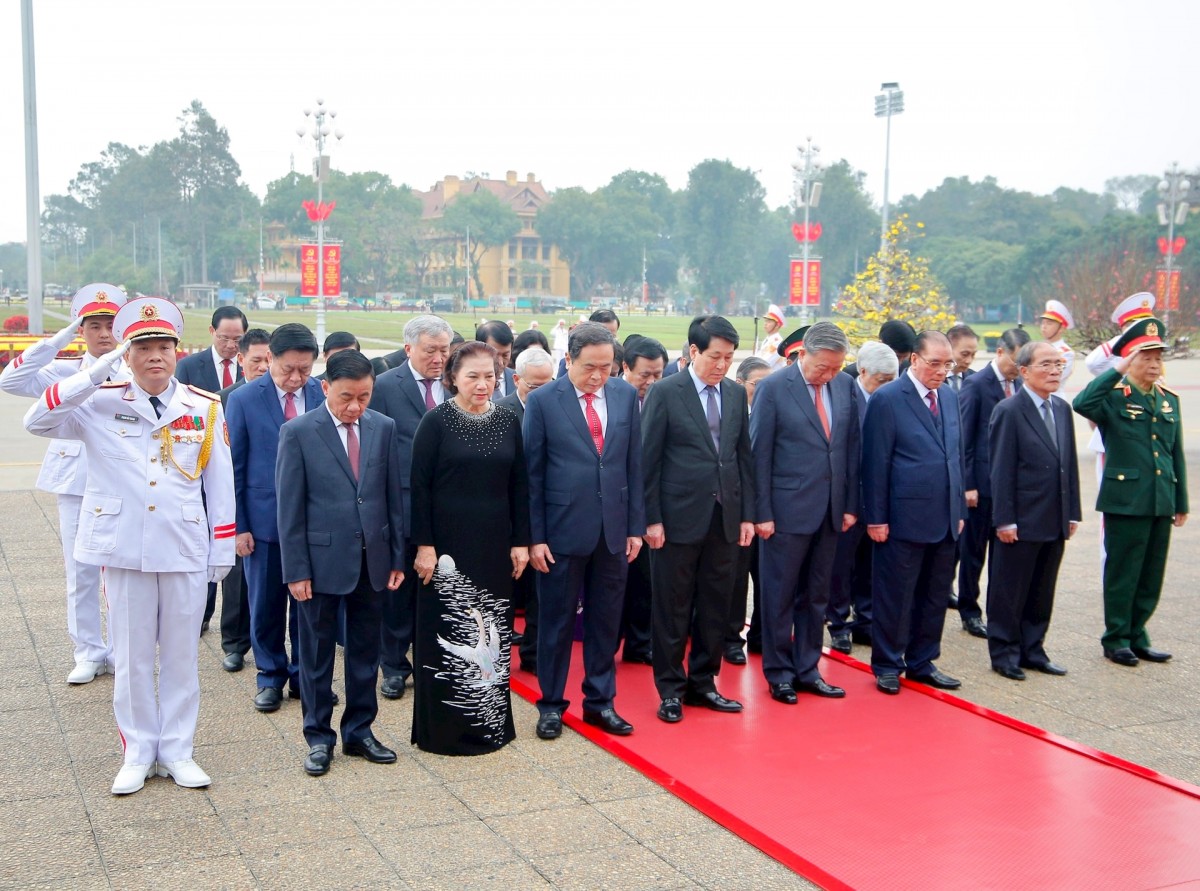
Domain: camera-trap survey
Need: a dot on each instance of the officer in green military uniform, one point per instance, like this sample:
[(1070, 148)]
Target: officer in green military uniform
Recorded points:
[(1144, 490)]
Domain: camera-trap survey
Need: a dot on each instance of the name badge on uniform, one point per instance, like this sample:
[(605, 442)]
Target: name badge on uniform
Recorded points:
[(1134, 409), (129, 419)]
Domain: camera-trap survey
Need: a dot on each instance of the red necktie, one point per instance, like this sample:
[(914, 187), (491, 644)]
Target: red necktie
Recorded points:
[(352, 448), (226, 376), (593, 420), (429, 403), (933, 406), (821, 410), (289, 406), (1007, 388)]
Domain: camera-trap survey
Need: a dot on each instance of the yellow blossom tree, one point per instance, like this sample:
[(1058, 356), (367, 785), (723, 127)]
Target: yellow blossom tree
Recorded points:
[(897, 284)]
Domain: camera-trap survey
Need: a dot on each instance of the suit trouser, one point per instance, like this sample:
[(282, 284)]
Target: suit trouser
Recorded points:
[(155, 614), (635, 618), (850, 582), (602, 575), (1133, 576), (235, 611), (399, 620), (1020, 598), (910, 589), (271, 620), (319, 621), (795, 574), (83, 589), (978, 537), (747, 571), (693, 584)]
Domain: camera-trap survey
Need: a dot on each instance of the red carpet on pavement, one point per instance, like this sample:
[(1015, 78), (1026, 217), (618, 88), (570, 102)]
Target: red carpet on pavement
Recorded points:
[(918, 791)]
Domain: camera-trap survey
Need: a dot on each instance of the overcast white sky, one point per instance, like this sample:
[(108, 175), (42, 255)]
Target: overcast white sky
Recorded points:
[(1038, 93)]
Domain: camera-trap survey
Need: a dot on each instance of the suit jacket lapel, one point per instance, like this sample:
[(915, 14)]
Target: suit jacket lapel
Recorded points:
[(410, 388), (570, 406), (1034, 416), (695, 408), (272, 406), (921, 410), (330, 436), (799, 390)]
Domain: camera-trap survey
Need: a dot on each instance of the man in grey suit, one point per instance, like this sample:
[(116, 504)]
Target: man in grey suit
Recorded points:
[(587, 519), (404, 394), (699, 511), (805, 435), (341, 537), (499, 337)]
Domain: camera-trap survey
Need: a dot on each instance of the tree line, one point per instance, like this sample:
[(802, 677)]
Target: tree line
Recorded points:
[(180, 206)]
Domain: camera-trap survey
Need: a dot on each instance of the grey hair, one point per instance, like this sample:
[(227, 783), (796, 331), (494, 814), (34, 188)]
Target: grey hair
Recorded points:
[(431, 326), (1025, 354), (588, 334), (533, 356), (825, 336), (877, 358)]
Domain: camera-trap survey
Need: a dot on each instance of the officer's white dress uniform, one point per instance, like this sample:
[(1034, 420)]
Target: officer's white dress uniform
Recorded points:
[(64, 469), (144, 520), (768, 348), (1058, 312)]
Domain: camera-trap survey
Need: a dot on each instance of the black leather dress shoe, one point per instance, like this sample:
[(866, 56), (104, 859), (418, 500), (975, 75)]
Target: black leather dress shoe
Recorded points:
[(1045, 668), (974, 626), (888, 683), (783, 693), (268, 699), (953, 604), (608, 721), (1122, 656), (233, 662), (840, 643), (392, 687), (1151, 655), (528, 665), (371, 749), (1008, 671), (549, 726), (316, 762), (518, 639), (861, 637), (670, 710), (820, 688), (735, 655), (938, 679), (638, 658), (713, 700), (294, 693)]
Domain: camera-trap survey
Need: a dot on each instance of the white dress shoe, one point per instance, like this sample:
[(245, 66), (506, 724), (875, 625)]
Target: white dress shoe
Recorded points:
[(86, 672), (185, 773), (131, 778)]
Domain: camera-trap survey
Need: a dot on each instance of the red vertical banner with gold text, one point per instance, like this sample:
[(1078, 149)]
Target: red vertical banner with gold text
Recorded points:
[(814, 282), (333, 270), (308, 270), (796, 292), (1161, 289)]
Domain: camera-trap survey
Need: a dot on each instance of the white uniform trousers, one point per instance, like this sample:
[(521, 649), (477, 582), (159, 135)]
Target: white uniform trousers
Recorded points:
[(83, 589), (149, 611)]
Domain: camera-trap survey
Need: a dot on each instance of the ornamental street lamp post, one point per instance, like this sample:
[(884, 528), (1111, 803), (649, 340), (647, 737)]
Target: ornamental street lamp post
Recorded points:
[(320, 130), (1172, 210), (887, 103), (808, 195)]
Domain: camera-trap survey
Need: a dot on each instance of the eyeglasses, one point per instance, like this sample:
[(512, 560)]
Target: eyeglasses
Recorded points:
[(1051, 365), (945, 366), (225, 338)]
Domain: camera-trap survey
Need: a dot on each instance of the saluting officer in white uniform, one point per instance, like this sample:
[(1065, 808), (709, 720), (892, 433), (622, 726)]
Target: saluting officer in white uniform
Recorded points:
[(153, 442), (64, 469)]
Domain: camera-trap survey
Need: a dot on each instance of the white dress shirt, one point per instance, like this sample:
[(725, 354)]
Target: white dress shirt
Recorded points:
[(298, 402), (600, 404)]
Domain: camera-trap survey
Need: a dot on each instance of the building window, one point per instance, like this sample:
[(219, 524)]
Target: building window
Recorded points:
[(512, 250), (546, 252), (512, 279)]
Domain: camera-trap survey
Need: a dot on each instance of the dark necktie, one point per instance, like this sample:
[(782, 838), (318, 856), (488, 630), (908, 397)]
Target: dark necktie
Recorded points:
[(955, 382), (1048, 418), (289, 406), (157, 405), (352, 448), (226, 375), (429, 403), (933, 405), (714, 418), (1007, 388)]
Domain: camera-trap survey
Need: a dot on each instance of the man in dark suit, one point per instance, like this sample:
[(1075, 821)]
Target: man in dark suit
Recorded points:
[(605, 317), (499, 337), (912, 477), (1035, 509), (341, 526), (256, 413), (335, 342), (981, 393), (216, 368), (535, 368), (404, 394), (254, 356), (805, 434), (582, 434), (699, 510), (850, 578), (964, 344)]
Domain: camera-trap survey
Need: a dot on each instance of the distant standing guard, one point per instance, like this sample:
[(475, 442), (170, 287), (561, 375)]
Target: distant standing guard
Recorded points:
[(1144, 489), (769, 350), (154, 443), (64, 469), (1055, 322)]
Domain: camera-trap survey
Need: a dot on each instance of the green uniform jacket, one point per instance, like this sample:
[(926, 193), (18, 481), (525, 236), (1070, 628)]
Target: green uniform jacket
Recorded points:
[(1144, 470)]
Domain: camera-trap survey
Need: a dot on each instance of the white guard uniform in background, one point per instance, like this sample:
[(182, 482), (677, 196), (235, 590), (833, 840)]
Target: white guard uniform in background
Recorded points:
[(144, 520)]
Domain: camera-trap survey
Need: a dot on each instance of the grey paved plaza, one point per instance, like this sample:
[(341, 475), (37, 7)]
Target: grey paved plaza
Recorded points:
[(535, 815)]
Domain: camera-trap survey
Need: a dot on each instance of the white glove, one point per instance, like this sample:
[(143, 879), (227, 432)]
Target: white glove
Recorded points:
[(103, 367), (64, 337), (217, 573)]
